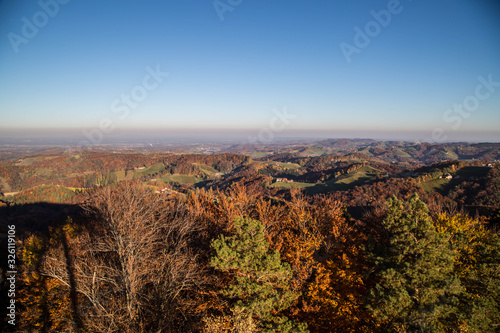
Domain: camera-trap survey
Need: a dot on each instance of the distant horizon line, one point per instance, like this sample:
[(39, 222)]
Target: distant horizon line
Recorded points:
[(76, 137)]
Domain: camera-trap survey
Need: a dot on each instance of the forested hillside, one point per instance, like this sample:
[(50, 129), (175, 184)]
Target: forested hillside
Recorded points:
[(133, 242)]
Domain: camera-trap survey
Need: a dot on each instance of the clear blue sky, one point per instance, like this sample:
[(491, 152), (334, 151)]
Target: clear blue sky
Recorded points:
[(263, 56)]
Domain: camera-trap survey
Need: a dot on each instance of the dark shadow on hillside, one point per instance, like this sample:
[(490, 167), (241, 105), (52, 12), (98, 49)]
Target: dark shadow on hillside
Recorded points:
[(338, 186), (466, 174), (203, 184), (35, 218)]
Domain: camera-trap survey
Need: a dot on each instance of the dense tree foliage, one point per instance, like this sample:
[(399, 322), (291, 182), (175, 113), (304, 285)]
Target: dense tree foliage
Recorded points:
[(145, 250), (261, 285), (416, 288), (477, 265)]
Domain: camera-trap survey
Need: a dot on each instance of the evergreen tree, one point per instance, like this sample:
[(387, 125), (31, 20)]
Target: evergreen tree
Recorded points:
[(415, 289), (261, 285), (477, 264), (481, 304)]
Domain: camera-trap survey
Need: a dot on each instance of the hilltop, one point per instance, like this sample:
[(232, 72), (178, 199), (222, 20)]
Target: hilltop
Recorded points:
[(459, 173)]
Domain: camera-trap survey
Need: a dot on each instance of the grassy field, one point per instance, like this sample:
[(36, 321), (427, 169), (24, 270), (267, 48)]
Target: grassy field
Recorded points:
[(120, 175), (151, 170), (451, 154), (352, 179), (435, 184), (366, 151), (283, 165), (258, 155), (289, 165), (27, 161), (206, 169), (402, 153), (344, 182), (132, 174), (291, 185), (314, 151), (181, 179)]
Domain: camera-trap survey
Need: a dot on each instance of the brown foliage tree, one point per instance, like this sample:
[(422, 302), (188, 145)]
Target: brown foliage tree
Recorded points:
[(133, 263)]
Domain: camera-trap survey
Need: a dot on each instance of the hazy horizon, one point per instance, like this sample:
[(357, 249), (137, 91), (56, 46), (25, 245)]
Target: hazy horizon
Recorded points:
[(75, 137)]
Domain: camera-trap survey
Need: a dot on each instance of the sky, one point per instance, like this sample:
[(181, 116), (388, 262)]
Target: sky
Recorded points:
[(410, 69)]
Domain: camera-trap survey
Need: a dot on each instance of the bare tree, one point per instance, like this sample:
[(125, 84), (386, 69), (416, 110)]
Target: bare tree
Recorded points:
[(133, 263)]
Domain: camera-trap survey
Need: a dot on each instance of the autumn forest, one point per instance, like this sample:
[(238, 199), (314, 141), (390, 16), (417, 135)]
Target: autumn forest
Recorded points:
[(332, 237)]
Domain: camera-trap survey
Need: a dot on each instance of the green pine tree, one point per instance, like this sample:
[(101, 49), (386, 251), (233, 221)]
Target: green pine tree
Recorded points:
[(416, 289), (261, 285), (478, 266), (481, 304)]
